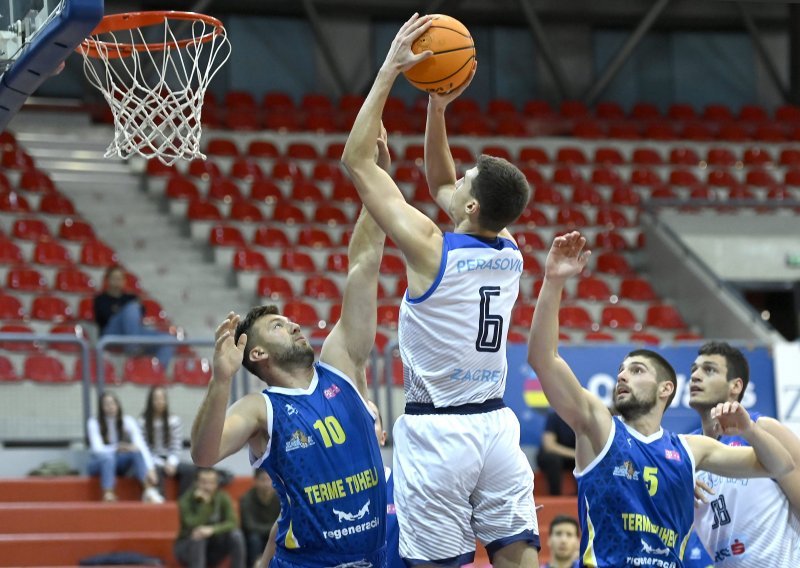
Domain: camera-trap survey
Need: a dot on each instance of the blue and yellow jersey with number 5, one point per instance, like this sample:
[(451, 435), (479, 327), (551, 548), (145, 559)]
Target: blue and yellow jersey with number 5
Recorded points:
[(636, 500), (326, 466)]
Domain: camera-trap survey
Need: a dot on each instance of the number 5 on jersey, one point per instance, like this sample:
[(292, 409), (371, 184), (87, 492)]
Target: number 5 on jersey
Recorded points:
[(331, 431), (651, 479)]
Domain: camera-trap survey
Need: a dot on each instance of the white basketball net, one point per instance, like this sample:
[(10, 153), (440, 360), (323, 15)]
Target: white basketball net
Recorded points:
[(156, 94)]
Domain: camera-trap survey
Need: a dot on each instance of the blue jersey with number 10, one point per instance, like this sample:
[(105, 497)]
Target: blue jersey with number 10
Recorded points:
[(636, 500), (325, 463)]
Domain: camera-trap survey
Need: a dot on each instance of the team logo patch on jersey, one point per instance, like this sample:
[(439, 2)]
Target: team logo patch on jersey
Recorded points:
[(291, 410), (362, 512), (627, 471), (646, 548), (331, 392), (674, 455), (299, 440)]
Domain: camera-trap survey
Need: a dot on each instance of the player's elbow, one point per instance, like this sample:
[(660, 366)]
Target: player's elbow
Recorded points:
[(201, 457)]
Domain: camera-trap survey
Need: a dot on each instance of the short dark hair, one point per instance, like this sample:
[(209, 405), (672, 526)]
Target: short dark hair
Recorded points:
[(565, 520), (738, 368), (244, 327), (502, 192), (664, 371)]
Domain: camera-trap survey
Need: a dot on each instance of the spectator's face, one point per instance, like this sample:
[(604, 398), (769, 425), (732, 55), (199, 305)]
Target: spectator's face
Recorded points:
[(263, 482), (116, 281), (208, 482), (564, 542), (159, 401), (110, 407)]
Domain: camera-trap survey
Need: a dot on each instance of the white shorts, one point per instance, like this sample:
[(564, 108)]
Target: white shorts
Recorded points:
[(458, 477)]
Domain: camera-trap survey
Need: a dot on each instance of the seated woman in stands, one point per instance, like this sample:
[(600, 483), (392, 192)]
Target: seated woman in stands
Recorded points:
[(117, 446), (163, 433)]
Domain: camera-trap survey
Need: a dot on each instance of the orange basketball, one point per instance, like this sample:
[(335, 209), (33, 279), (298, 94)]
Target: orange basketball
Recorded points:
[(454, 56)]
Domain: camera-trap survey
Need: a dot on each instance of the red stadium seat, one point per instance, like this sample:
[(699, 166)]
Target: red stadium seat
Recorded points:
[(720, 157), (779, 193), (181, 188), (533, 174), (573, 109), (7, 371), (334, 151), (759, 178), (644, 177), (75, 230), (312, 237), (522, 316), (683, 157), (226, 236), (73, 330), (591, 288), (610, 240), (18, 346), (757, 157), (245, 211), (295, 261), (529, 240), (30, 229), (193, 371), (287, 212), (25, 279), (345, 191), (7, 141), (388, 315), (157, 169), (146, 371), (74, 280), (17, 159), (660, 131), (36, 181), (571, 155), (327, 171), (86, 309), (203, 169), (733, 132), (624, 131), (533, 217), (644, 337), (538, 109), (721, 178), (321, 288), (274, 288), (476, 125), (248, 260), (612, 263), (585, 194), (246, 169), (316, 101), (10, 307), (683, 178), (611, 218), (608, 176), (546, 194), (624, 195), (598, 336), (619, 317), (223, 189), (10, 253), (645, 111), (202, 210), (44, 369), (286, 170), (282, 122), (56, 204), (532, 155), (301, 151), (265, 190), (646, 157), (301, 313), (753, 113), (697, 131), (51, 253), (608, 156), (461, 154), (739, 192), (664, 317), (270, 237), (222, 147), (769, 133), (109, 371), (609, 110), (571, 217), (392, 264), (337, 262), (13, 202), (240, 100), (717, 112), (277, 100), (497, 151), (330, 214), (303, 190), (566, 175), (574, 317), (262, 149), (663, 192)]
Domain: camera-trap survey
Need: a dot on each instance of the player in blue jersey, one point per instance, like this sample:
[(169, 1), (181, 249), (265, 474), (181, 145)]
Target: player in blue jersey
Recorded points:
[(459, 473), (310, 428), (635, 480), (732, 522)]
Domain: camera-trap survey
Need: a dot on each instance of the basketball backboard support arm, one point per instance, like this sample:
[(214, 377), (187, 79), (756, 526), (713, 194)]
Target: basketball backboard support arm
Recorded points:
[(42, 51)]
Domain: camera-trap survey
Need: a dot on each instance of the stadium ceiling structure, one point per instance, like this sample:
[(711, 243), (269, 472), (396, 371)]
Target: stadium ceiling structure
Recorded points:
[(637, 16)]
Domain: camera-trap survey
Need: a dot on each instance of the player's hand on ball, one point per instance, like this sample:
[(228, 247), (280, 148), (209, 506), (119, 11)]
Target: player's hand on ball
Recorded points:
[(443, 99), (400, 56), (567, 256), (228, 354), (731, 418)]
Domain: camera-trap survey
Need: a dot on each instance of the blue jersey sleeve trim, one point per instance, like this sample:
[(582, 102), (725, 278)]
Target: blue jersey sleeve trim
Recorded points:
[(602, 454), (256, 462), (466, 240), (685, 442), (350, 382), (442, 265)]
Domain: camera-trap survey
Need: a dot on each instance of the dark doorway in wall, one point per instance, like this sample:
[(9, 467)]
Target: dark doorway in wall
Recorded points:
[(779, 304)]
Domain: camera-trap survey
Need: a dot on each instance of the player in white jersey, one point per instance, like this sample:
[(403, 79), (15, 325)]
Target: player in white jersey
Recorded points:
[(459, 471), (746, 522)]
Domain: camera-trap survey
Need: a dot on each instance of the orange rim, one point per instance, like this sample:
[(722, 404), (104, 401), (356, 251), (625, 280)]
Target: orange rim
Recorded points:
[(133, 20)]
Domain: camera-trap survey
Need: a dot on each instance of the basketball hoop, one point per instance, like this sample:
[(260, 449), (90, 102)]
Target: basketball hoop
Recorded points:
[(153, 69)]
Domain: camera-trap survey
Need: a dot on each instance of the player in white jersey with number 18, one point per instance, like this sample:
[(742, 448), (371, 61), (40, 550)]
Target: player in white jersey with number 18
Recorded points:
[(459, 471), (746, 522)]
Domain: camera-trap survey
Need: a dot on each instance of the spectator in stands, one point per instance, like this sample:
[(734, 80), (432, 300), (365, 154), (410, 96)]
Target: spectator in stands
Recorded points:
[(163, 433), (209, 531), (564, 541), (117, 446), (118, 312), (259, 508), (556, 452)]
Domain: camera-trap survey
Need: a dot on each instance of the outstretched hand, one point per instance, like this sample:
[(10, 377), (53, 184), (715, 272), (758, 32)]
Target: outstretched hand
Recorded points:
[(443, 99), (228, 355), (401, 57), (731, 418), (567, 257)]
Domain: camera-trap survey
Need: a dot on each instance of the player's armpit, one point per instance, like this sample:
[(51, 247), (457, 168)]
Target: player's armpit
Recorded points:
[(790, 483)]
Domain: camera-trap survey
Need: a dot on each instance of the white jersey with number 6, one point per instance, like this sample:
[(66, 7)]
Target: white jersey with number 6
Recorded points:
[(453, 337)]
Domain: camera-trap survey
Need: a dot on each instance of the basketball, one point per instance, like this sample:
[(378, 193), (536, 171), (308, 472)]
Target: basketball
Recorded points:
[(454, 54)]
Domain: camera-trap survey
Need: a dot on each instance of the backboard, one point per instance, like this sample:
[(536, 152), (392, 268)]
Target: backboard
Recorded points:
[(35, 37)]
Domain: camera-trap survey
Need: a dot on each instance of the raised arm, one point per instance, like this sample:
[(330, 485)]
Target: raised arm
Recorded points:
[(440, 170), (348, 345), (584, 412), (417, 236), (790, 483), (765, 458), (216, 434)]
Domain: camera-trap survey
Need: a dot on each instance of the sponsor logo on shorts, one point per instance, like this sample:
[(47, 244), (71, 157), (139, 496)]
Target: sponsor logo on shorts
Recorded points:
[(299, 440), (331, 392), (627, 471)]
